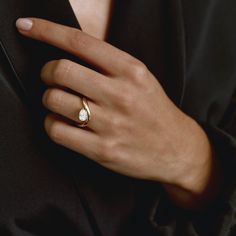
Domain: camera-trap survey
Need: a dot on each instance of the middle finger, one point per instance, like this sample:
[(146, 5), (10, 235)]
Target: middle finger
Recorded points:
[(76, 77)]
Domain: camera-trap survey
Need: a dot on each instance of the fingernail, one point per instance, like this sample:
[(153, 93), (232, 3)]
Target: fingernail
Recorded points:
[(24, 24)]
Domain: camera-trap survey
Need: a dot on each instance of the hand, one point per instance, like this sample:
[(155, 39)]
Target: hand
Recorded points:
[(135, 129)]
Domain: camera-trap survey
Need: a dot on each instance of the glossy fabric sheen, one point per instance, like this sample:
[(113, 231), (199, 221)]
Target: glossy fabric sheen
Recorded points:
[(48, 190)]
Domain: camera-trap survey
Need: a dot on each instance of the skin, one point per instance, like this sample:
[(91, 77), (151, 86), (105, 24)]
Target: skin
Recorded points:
[(93, 16), (135, 129)]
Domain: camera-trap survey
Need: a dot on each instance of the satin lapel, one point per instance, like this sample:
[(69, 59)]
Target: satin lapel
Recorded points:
[(176, 65), (153, 31), (26, 56)]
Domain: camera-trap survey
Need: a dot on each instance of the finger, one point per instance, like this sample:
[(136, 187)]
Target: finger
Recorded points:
[(76, 77), (76, 139), (94, 51), (69, 106)]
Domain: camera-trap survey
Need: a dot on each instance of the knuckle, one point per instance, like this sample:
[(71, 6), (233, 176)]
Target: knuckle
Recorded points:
[(53, 99), (126, 100), (61, 70), (108, 152), (43, 30), (124, 96), (45, 70), (138, 70), (116, 123), (53, 131), (77, 40)]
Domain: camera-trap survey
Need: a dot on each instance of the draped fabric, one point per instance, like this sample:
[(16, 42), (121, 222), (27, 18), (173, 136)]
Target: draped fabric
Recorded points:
[(48, 190)]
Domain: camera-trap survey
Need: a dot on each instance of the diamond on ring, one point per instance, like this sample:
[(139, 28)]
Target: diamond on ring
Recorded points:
[(83, 115)]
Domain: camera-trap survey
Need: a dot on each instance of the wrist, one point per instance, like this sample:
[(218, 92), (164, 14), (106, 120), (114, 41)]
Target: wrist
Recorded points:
[(201, 161), (199, 177)]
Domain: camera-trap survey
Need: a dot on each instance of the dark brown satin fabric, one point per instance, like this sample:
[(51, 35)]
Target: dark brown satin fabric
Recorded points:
[(48, 190)]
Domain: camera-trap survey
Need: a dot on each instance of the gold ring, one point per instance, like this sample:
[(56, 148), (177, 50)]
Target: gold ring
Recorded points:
[(84, 114)]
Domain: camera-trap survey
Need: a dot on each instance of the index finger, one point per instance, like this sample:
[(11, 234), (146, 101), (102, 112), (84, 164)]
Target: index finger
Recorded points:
[(93, 51)]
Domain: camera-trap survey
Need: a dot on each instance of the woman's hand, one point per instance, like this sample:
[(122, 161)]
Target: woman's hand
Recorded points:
[(135, 129)]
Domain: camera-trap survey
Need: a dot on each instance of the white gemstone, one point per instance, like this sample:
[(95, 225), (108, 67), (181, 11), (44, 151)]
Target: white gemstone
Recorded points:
[(83, 115)]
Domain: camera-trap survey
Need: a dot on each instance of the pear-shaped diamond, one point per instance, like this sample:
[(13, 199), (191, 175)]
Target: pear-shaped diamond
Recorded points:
[(83, 115)]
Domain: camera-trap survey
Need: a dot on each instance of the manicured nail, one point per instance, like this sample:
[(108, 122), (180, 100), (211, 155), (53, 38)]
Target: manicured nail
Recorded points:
[(24, 24)]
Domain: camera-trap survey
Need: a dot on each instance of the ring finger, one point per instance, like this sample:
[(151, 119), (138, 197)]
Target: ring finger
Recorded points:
[(69, 106)]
